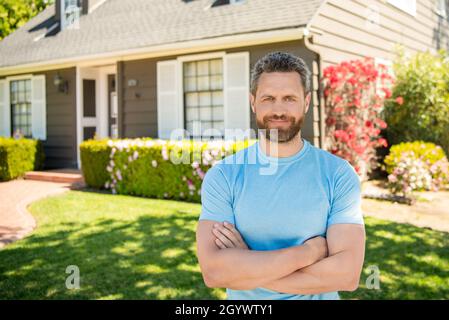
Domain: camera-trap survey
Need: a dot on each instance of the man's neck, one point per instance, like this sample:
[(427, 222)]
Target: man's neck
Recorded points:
[(281, 150)]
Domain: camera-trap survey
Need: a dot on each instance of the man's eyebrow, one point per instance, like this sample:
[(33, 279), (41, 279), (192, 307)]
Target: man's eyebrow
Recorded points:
[(285, 96)]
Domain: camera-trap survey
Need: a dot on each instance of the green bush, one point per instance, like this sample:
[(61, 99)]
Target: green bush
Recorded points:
[(152, 168), (18, 156), (417, 166), (419, 106), (94, 156)]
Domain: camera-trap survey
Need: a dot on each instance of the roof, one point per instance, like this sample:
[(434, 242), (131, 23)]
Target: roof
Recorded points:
[(119, 25)]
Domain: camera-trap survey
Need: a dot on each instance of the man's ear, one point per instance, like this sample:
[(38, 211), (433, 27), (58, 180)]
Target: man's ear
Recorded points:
[(307, 102), (252, 100)]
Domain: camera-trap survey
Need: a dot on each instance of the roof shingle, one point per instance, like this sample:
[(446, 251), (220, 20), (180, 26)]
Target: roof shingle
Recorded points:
[(130, 24)]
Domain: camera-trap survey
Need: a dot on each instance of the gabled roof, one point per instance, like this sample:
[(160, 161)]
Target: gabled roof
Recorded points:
[(130, 24)]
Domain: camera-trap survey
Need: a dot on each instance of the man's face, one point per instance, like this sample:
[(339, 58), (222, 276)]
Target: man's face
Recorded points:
[(280, 104)]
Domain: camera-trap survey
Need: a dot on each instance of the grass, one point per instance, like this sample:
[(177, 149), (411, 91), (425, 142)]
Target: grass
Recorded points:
[(137, 248)]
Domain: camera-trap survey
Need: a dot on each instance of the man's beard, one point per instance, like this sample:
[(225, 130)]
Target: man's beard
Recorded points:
[(283, 135)]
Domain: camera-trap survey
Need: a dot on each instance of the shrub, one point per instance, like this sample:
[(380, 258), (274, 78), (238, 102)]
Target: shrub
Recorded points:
[(18, 156), (355, 92), (152, 168), (416, 166), (420, 105)]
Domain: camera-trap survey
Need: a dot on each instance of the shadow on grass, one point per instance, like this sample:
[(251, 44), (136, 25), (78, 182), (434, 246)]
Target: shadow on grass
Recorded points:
[(153, 256), (413, 262), (149, 258)]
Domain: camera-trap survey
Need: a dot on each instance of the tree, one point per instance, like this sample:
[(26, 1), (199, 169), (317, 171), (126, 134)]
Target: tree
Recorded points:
[(15, 13)]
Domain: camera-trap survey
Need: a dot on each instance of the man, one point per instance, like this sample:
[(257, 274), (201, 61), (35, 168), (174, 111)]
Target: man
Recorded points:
[(296, 232)]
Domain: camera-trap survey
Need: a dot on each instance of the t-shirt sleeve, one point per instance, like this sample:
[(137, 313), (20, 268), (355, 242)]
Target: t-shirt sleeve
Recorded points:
[(216, 197), (347, 202)]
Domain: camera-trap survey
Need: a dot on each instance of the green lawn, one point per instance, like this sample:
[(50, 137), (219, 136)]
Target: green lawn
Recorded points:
[(136, 248)]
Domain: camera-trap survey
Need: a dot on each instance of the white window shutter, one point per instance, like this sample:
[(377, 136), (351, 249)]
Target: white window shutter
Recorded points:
[(38, 108), (5, 110), (169, 111), (236, 92)]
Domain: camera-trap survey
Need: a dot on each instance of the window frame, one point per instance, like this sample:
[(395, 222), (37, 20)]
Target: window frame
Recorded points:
[(9, 80), (181, 93)]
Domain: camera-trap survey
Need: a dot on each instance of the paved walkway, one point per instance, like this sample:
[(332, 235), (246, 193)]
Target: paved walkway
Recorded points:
[(15, 220)]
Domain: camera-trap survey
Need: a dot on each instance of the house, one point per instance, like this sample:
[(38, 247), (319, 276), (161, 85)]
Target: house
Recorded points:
[(141, 68)]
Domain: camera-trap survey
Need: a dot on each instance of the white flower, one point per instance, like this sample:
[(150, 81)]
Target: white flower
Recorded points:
[(154, 163), (164, 154), (135, 155)]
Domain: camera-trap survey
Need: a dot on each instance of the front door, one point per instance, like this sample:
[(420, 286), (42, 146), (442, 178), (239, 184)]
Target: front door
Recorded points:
[(97, 103)]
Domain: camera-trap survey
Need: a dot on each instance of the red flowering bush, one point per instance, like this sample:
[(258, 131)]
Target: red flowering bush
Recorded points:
[(354, 94)]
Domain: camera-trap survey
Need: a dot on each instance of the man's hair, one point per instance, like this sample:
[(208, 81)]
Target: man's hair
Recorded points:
[(280, 62)]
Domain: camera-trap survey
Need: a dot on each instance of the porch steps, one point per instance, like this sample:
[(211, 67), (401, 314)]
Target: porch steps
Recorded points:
[(72, 176)]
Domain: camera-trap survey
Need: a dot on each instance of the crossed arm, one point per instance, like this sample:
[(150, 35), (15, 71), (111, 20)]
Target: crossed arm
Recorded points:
[(317, 266)]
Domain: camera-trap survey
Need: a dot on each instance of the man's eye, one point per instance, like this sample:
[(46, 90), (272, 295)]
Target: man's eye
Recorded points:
[(289, 99), (268, 99)]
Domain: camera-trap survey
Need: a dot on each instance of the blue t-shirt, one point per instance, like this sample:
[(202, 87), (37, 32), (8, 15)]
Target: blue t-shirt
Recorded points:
[(277, 203)]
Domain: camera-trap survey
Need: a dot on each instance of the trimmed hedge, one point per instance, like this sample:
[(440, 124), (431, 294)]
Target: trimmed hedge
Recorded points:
[(18, 156), (153, 168)]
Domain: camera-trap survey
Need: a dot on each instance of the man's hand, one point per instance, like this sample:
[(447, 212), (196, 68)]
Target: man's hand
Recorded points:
[(227, 236)]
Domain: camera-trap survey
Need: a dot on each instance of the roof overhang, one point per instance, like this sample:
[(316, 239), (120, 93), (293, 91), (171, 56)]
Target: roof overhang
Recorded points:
[(178, 48)]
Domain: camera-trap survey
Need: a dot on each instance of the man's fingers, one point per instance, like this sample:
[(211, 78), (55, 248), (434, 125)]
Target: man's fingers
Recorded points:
[(220, 244), (231, 228), (228, 243), (228, 234)]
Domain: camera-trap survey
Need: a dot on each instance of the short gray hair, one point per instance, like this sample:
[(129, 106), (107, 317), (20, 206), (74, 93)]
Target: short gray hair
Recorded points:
[(280, 62)]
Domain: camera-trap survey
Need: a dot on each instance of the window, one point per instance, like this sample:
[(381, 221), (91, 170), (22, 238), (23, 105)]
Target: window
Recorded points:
[(203, 98), (408, 6), (20, 95), (71, 10)]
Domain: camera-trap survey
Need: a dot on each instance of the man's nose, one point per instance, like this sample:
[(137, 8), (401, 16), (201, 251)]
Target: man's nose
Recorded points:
[(279, 108)]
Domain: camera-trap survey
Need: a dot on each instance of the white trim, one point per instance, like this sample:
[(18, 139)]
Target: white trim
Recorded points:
[(95, 6), (102, 109), (227, 89), (6, 112), (21, 77), (39, 107), (177, 48), (202, 56), (408, 6), (179, 115), (100, 121)]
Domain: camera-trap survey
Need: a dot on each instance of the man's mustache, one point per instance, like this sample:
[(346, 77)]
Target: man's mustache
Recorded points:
[(282, 118)]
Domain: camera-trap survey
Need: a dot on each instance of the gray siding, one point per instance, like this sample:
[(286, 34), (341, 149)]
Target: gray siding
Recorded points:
[(139, 103), (346, 34), (60, 146)]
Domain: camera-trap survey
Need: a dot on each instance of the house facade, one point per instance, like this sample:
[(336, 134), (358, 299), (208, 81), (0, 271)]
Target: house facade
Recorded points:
[(146, 68)]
